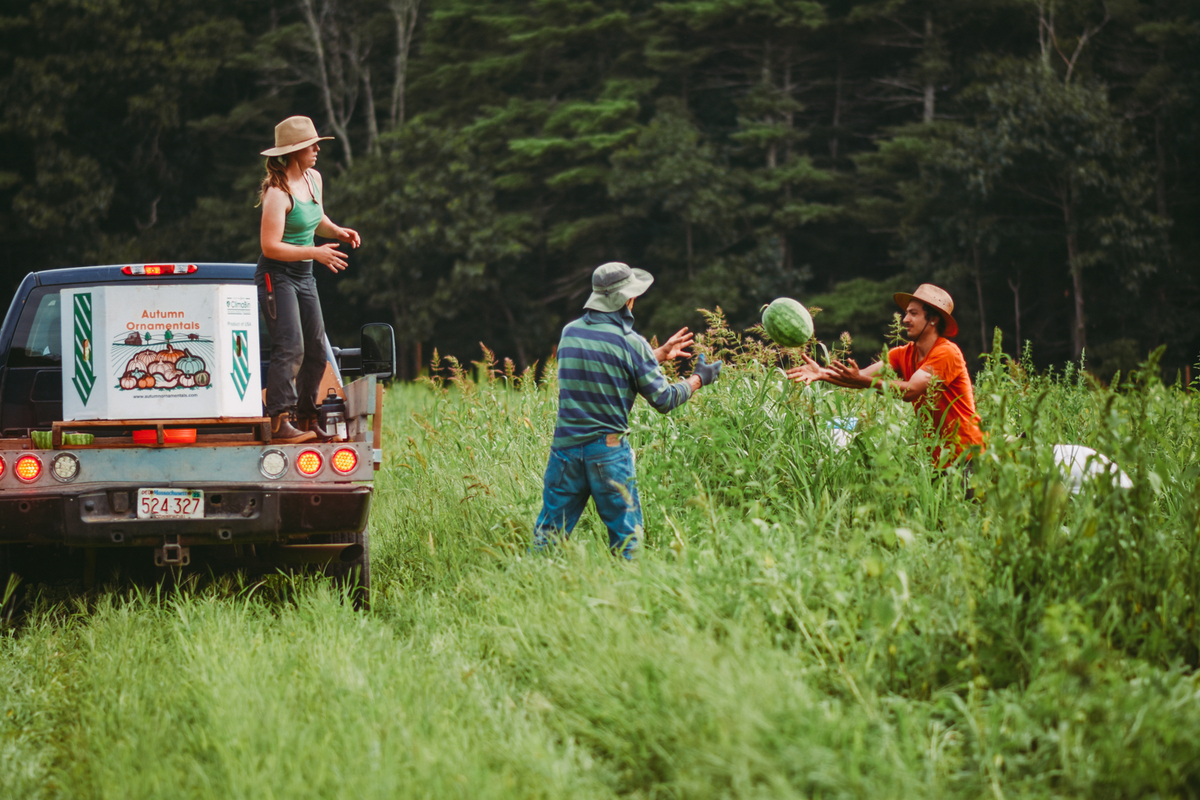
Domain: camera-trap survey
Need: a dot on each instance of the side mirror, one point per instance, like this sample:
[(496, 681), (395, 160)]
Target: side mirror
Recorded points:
[(378, 350)]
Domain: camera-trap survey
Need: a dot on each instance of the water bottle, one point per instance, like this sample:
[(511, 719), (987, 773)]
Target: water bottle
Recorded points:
[(332, 415)]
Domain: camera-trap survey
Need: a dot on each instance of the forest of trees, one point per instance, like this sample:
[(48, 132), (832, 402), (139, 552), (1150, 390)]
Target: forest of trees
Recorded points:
[(1038, 158)]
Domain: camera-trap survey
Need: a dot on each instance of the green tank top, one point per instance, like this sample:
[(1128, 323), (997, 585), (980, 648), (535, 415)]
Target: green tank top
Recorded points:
[(303, 219)]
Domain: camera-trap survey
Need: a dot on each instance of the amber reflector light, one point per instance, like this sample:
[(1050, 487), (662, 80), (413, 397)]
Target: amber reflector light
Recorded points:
[(28, 468), (344, 461), (309, 462)]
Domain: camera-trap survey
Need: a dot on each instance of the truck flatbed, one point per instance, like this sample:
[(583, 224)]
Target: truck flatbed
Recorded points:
[(232, 488)]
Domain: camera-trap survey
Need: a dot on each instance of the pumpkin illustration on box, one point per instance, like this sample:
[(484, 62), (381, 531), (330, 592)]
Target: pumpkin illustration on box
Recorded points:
[(166, 368)]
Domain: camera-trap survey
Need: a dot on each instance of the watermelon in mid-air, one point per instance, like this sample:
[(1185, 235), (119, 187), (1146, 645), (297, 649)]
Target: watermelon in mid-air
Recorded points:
[(787, 322)]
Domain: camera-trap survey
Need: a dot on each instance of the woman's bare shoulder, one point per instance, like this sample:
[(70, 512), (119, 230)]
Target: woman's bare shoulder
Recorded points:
[(276, 198)]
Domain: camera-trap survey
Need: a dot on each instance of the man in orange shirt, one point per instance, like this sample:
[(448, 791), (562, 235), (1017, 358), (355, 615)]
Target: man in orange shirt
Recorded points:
[(928, 321)]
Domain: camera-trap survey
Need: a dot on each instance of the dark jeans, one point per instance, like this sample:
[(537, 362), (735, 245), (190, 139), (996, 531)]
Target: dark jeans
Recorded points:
[(297, 335), (598, 470)]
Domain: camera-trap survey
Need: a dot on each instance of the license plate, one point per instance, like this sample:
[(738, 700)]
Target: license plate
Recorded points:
[(170, 504)]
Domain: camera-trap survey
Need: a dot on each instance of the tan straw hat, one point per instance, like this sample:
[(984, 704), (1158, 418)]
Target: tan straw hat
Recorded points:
[(934, 296), (294, 133)]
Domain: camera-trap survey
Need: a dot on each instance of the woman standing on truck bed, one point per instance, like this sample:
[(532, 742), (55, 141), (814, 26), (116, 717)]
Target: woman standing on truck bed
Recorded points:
[(287, 292)]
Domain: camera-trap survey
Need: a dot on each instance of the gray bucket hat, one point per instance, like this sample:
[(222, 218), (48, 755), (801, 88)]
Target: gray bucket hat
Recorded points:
[(614, 283)]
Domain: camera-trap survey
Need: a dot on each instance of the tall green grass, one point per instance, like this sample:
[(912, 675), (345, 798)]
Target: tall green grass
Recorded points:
[(805, 619)]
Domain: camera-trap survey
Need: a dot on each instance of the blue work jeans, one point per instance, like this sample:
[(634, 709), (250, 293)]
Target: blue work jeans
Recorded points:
[(297, 333), (603, 472)]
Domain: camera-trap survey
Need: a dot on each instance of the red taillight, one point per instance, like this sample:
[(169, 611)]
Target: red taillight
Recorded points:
[(159, 269), (28, 468), (345, 460), (1, 467), (309, 463)]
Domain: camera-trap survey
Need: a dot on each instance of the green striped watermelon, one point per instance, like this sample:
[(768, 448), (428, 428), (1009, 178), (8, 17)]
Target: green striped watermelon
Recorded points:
[(787, 322)]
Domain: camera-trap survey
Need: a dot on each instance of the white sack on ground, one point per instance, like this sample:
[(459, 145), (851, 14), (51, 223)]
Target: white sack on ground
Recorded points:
[(1079, 463), (841, 431)]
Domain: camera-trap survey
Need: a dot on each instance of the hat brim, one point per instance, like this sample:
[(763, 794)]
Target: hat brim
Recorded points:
[(904, 298), (291, 148), (639, 282)]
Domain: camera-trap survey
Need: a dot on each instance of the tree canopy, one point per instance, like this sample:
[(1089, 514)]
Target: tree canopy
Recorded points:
[(1037, 159)]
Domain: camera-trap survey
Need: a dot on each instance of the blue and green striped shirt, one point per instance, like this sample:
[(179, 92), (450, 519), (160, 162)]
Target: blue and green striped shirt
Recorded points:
[(602, 367)]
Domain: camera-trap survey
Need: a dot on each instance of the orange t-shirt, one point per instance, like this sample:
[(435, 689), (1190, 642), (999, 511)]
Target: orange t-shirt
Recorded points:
[(954, 403)]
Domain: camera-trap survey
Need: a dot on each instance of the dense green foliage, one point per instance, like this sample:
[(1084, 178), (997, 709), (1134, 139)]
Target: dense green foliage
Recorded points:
[(1038, 159), (806, 619)]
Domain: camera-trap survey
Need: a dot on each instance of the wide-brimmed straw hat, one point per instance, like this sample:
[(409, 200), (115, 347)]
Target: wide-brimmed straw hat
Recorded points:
[(294, 133), (935, 296), (614, 283)]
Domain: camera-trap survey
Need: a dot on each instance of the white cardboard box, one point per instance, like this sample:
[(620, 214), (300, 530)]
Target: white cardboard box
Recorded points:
[(161, 352)]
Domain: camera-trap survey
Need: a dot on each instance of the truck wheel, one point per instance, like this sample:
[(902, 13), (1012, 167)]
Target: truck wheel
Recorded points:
[(356, 574)]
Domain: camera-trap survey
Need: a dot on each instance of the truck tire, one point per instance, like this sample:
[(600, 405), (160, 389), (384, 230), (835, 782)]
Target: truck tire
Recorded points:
[(355, 575)]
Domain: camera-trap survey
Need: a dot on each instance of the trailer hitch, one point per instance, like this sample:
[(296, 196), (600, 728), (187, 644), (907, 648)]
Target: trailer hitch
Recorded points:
[(172, 553)]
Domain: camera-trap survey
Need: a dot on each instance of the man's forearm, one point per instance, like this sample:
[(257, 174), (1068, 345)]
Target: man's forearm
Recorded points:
[(891, 387), (693, 383), (839, 382), (845, 383), (879, 384)]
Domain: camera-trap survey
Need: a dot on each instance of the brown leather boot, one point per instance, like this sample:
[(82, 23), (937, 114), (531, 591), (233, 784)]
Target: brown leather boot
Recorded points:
[(283, 432), (313, 425)]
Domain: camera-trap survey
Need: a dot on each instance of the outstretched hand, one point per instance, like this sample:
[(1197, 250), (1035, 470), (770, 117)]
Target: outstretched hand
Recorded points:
[(675, 347), (329, 255), (847, 373), (809, 371), (706, 372)]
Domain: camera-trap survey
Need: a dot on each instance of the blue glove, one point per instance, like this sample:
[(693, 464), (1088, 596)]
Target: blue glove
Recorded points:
[(707, 373)]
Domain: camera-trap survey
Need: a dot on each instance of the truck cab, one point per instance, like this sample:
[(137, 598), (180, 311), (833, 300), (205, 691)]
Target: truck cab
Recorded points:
[(216, 488)]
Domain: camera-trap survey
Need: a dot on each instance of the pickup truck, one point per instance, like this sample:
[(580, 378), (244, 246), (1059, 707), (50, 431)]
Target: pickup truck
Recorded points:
[(241, 501)]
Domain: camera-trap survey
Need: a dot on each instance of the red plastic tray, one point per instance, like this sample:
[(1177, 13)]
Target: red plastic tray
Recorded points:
[(170, 436)]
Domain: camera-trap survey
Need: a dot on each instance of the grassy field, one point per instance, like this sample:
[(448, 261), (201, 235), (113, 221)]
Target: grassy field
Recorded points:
[(805, 620)]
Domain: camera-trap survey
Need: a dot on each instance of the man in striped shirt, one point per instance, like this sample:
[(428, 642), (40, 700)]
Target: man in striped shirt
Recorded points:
[(603, 365)]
